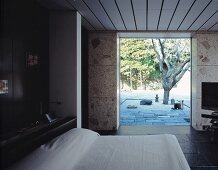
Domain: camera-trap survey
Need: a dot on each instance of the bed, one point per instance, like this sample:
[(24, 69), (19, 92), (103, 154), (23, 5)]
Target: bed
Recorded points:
[(83, 149)]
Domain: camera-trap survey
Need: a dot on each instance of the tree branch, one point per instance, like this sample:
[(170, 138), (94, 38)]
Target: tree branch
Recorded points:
[(158, 56), (163, 53), (162, 49), (155, 49), (181, 67), (182, 72), (178, 54)]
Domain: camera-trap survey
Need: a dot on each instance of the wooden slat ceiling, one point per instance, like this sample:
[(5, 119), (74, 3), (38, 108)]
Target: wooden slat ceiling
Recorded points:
[(143, 15)]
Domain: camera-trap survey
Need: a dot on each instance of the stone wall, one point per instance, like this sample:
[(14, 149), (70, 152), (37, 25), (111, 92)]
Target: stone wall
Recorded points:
[(204, 69), (102, 81), (103, 77)]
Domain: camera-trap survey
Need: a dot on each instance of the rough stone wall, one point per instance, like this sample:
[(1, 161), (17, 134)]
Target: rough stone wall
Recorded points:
[(204, 69), (102, 81)]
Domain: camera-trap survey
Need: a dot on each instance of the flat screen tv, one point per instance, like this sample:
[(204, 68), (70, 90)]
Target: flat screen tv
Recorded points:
[(209, 99)]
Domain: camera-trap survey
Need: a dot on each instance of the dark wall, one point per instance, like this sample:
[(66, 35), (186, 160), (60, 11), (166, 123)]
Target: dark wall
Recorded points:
[(84, 55), (63, 63), (25, 31)]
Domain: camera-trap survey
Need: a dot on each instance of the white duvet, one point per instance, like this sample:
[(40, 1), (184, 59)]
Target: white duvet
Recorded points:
[(82, 149)]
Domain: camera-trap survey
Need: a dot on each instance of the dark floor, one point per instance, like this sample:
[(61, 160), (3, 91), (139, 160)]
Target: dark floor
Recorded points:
[(200, 152)]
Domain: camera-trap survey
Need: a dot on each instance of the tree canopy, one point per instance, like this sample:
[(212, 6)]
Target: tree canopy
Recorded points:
[(138, 62)]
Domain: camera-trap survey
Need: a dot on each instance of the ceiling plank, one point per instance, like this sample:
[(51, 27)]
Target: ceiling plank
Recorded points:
[(210, 22), (172, 15), (202, 27), (81, 7), (206, 15), (100, 13), (87, 24), (146, 14), (126, 13), (200, 14), (180, 13), (160, 14), (196, 10), (166, 17), (107, 14), (140, 13), (94, 14), (113, 13), (153, 16), (186, 14), (120, 13), (154, 4), (154, 7), (214, 27), (134, 14)]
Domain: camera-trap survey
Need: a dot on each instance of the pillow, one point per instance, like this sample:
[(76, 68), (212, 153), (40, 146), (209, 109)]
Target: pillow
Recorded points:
[(72, 137)]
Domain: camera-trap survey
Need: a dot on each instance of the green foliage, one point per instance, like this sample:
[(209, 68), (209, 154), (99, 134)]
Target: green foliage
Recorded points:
[(138, 62)]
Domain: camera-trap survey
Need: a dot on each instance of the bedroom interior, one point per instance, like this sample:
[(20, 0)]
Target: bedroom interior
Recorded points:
[(59, 57)]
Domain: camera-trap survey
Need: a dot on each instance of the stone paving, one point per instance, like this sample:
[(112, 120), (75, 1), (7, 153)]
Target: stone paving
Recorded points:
[(132, 113)]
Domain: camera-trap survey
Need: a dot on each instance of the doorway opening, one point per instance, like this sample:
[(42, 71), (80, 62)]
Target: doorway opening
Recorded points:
[(155, 81)]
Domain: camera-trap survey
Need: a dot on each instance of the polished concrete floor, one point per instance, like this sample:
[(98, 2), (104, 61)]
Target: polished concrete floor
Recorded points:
[(200, 152)]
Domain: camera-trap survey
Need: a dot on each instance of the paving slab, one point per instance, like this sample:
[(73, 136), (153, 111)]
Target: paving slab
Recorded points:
[(155, 114)]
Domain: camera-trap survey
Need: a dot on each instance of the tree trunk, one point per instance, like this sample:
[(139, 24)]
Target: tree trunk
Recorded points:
[(141, 79), (122, 84), (166, 96), (130, 78)]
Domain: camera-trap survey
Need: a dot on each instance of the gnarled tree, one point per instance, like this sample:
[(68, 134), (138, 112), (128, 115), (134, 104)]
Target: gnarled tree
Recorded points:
[(174, 60)]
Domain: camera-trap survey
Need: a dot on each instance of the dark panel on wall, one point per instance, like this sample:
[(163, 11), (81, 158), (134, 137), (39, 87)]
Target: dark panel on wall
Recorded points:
[(25, 30), (63, 63), (84, 55)]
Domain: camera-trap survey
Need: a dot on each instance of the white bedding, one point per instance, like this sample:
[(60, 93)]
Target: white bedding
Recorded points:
[(82, 149)]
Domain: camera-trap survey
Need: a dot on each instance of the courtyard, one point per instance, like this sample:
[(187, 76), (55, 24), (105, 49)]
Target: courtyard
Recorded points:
[(132, 113)]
